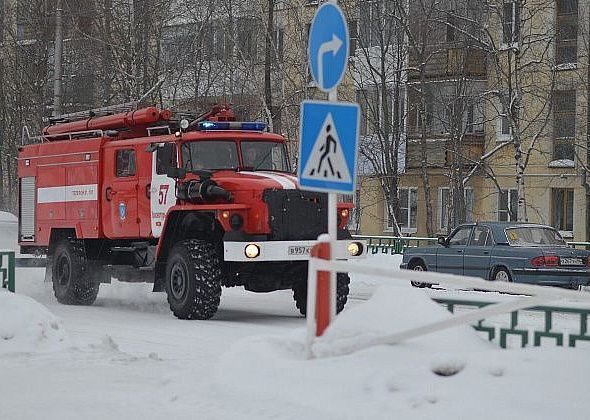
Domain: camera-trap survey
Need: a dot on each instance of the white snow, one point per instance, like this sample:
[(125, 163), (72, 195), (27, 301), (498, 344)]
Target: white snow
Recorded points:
[(128, 357)]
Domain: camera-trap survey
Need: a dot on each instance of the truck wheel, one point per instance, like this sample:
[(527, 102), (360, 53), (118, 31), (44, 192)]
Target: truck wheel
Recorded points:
[(73, 283), (300, 293), (193, 280)]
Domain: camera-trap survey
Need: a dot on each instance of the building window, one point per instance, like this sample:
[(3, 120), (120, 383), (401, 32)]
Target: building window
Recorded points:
[(451, 25), (368, 99), (408, 210), (508, 205), (563, 209), (278, 44), (445, 207), (511, 22), (246, 39), (564, 124), (353, 31), (375, 23), (474, 123), (566, 32), (504, 128)]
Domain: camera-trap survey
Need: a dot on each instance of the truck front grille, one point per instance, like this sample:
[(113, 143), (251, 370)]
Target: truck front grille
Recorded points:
[(295, 214)]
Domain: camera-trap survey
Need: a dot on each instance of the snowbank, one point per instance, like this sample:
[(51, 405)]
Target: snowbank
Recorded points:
[(8, 231), (447, 375), (26, 326)]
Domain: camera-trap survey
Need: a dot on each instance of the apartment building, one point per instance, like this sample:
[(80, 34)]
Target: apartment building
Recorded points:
[(496, 110)]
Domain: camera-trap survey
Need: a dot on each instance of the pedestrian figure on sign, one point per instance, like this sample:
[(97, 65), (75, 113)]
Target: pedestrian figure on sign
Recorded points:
[(325, 149)]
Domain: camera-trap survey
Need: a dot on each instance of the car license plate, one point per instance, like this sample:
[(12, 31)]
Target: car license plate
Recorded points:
[(571, 261), (299, 250)]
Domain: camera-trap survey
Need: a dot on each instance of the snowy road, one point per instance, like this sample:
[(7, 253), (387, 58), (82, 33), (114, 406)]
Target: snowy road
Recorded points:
[(127, 357)]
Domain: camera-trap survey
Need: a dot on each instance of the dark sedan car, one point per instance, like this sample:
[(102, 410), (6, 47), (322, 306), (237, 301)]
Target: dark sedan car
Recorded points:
[(502, 251)]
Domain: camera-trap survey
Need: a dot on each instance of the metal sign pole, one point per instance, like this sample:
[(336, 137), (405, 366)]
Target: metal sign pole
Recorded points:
[(333, 228)]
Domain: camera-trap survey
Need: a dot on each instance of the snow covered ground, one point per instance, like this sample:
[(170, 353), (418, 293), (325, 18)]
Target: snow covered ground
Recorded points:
[(128, 357)]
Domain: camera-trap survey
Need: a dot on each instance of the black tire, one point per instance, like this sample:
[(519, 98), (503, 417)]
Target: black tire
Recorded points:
[(73, 281), (193, 279), (418, 266), (300, 293), (501, 274)]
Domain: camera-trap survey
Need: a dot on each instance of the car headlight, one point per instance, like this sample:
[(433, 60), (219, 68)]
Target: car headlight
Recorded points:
[(252, 250), (355, 248)]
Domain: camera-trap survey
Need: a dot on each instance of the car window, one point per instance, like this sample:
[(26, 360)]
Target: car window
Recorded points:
[(165, 158), (480, 236), (461, 236), (534, 236)]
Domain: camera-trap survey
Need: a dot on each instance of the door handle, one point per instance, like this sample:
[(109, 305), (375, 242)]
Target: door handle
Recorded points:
[(486, 252), (148, 191), (459, 251), (109, 193)]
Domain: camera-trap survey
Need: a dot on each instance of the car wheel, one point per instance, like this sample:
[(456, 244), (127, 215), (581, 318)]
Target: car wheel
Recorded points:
[(419, 266), (502, 274)]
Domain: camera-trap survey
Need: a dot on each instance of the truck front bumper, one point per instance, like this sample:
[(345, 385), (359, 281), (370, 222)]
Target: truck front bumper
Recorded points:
[(256, 251)]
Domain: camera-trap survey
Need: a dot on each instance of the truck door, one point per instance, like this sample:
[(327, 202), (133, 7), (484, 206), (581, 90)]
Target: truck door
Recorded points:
[(119, 193), (163, 194)]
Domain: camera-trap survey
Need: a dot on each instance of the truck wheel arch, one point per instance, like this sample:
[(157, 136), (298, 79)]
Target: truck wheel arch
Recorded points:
[(181, 225)]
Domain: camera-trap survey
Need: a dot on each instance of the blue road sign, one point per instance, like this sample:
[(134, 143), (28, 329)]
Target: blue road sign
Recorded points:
[(328, 46), (328, 146)]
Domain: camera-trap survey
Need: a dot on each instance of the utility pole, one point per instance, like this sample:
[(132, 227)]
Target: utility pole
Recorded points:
[(57, 59)]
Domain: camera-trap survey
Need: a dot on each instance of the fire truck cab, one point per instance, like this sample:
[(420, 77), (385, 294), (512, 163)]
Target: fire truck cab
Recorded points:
[(189, 206)]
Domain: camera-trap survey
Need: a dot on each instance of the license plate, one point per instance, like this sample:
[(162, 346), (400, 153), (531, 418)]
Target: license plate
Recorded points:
[(571, 261), (299, 250)]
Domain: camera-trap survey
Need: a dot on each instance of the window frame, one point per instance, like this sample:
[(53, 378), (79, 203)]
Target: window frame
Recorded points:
[(565, 213), (510, 192), (132, 159), (468, 214), (514, 22), (559, 115), (406, 229)]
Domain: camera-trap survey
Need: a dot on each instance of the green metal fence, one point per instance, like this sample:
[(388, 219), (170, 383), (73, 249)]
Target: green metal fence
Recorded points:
[(393, 244), (7, 264), (528, 335), (398, 244)]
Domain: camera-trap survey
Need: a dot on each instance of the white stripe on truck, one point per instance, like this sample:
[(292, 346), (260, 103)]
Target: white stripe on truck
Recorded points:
[(68, 193)]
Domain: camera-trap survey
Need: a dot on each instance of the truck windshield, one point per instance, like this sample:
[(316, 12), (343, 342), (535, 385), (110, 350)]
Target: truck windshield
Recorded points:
[(265, 155), (198, 155)]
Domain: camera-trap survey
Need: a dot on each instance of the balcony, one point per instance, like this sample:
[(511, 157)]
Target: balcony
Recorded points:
[(439, 150)]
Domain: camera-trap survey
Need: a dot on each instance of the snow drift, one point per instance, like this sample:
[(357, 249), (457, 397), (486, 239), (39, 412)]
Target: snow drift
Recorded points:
[(26, 326), (434, 376)]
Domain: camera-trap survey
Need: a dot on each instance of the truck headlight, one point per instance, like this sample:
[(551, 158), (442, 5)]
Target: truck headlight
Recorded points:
[(355, 248), (252, 250)]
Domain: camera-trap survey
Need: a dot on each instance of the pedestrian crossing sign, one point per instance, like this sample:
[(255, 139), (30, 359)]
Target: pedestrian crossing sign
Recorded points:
[(328, 146)]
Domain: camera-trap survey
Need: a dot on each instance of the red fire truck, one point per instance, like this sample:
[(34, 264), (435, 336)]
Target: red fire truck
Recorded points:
[(188, 204)]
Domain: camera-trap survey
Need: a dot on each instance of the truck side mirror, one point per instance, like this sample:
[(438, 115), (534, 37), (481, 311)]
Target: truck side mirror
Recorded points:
[(176, 173), (442, 240)]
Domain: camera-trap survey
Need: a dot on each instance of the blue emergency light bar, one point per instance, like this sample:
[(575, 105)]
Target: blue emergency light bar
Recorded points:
[(232, 125)]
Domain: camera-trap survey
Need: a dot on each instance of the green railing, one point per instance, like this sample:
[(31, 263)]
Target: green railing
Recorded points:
[(398, 244), (526, 334), (7, 264), (393, 244)]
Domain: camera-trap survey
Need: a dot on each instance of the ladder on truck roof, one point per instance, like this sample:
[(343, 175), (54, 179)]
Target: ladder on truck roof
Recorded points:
[(92, 113)]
